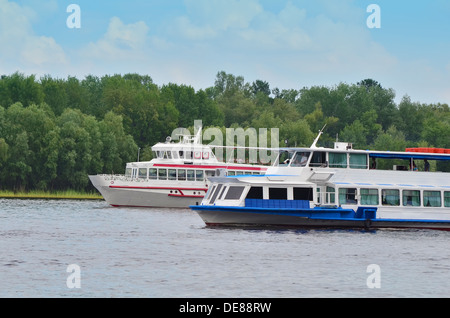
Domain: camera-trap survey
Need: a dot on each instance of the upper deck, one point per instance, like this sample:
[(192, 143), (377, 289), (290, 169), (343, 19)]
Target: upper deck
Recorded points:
[(343, 156)]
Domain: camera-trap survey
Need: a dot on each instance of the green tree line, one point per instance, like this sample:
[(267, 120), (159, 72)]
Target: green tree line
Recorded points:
[(55, 132)]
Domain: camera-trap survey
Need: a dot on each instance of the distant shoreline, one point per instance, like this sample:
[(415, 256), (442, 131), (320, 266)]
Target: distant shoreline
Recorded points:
[(68, 194)]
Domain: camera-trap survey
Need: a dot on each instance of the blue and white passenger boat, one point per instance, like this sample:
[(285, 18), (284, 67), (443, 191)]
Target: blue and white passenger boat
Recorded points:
[(335, 188)]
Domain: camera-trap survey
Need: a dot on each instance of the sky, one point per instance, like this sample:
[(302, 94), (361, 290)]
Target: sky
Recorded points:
[(291, 44)]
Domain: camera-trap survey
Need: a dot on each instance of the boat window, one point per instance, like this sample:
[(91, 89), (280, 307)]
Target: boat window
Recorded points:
[(142, 173), (390, 197), (190, 175), (432, 198), (182, 174), (181, 154), (300, 159), (210, 192), (358, 161), (162, 174), (303, 194), (169, 154), (234, 192), (152, 173), (319, 159), (255, 193), (284, 158), (199, 175), (338, 160), (240, 173), (278, 193), (160, 154), (172, 174), (411, 198), (369, 196), (447, 199), (330, 195), (221, 193), (347, 196), (215, 194), (128, 172)]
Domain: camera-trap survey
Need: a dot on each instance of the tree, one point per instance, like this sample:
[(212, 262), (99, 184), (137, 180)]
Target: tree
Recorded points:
[(118, 148), (355, 133), (260, 86), (19, 88), (369, 83), (55, 94)]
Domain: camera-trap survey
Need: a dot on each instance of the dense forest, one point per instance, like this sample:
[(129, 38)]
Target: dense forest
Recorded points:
[(54, 132)]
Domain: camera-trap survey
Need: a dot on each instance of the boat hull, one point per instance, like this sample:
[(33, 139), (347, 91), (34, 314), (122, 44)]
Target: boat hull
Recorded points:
[(147, 195), (305, 218)]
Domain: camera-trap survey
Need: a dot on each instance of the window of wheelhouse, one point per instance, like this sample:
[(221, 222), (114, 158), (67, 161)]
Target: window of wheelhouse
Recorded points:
[(330, 195), (369, 196), (432, 198), (162, 174), (278, 193), (255, 193), (199, 175), (284, 158), (152, 173), (390, 197), (347, 196), (411, 198), (210, 192), (182, 174), (172, 174), (128, 172), (447, 199), (319, 159), (234, 192), (191, 175), (215, 194), (143, 173), (303, 194), (358, 161), (337, 160), (300, 159)]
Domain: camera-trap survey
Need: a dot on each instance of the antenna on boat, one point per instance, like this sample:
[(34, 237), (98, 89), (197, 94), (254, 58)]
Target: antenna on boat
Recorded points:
[(197, 137), (317, 138)]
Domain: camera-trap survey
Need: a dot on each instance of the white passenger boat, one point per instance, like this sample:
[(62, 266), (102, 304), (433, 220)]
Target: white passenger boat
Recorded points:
[(334, 187), (176, 178)]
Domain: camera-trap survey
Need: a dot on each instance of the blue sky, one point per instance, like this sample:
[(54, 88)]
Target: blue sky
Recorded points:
[(288, 43)]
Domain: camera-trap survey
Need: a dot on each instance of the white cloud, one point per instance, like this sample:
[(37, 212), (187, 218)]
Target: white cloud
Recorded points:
[(207, 19), (121, 41), (20, 47)]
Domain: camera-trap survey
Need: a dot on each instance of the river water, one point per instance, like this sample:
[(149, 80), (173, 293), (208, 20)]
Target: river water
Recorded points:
[(70, 248)]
